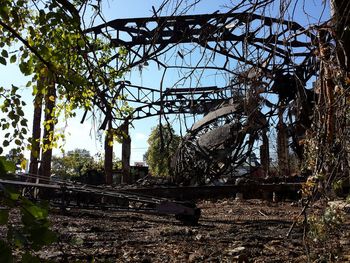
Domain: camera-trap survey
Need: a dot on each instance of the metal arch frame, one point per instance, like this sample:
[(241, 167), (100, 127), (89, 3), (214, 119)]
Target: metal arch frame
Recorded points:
[(202, 29), (271, 48), (145, 38)]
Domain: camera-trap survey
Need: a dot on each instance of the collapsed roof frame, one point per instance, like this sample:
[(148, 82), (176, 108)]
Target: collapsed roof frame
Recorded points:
[(278, 56), (282, 47)]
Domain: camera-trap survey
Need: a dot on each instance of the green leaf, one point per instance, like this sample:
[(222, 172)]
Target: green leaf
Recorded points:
[(13, 196), (5, 253), (37, 212), (20, 112), (27, 219), (13, 59), (4, 216), (3, 61), (25, 52), (14, 89), (8, 166), (26, 67), (41, 236), (23, 122), (81, 43), (4, 53)]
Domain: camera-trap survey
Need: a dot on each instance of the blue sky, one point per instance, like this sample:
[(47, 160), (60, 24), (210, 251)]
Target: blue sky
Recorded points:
[(84, 135)]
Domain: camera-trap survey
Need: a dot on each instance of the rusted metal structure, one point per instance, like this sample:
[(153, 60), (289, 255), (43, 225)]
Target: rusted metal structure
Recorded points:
[(278, 58), (229, 34), (153, 102), (66, 194)]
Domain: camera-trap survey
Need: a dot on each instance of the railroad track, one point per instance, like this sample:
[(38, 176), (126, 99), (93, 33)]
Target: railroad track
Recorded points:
[(66, 194), (167, 200)]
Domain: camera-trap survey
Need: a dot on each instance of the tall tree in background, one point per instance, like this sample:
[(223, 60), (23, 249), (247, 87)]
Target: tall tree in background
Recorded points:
[(163, 143), (71, 164)]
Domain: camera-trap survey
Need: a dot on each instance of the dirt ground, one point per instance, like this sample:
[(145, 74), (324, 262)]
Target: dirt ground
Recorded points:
[(228, 231)]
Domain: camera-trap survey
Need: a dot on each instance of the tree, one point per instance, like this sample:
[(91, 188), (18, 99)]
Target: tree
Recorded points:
[(69, 69), (80, 163), (163, 143), (71, 164)]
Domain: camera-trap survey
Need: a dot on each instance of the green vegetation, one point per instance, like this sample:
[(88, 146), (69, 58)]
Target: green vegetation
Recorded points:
[(163, 143), (46, 40), (31, 233), (67, 68), (78, 164), (71, 164)]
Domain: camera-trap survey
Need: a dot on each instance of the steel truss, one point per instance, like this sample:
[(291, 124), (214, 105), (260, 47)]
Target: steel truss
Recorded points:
[(271, 45), (152, 102)]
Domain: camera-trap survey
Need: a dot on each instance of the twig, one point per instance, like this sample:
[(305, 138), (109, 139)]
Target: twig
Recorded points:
[(261, 213), (300, 214)]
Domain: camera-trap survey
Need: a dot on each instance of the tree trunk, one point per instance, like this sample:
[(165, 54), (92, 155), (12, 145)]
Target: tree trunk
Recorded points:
[(36, 134), (282, 145), (49, 126), (126, 151), (108, 161)]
